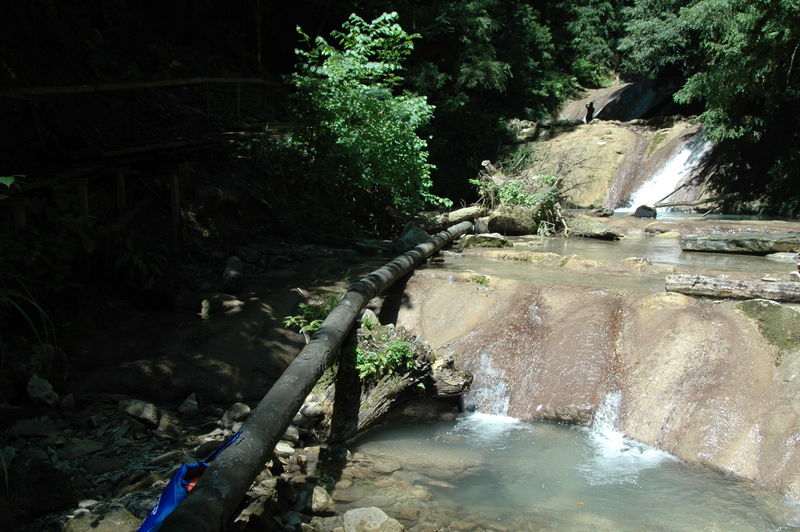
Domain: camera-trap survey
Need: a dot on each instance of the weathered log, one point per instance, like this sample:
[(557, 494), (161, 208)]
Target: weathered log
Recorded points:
[(698, 285), (217, 495)]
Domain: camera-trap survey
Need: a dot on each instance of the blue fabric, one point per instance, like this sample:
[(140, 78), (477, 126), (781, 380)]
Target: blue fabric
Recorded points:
[(178, 488)]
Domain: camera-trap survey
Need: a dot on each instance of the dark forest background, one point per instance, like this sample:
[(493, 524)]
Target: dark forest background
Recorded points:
[(384, 116)]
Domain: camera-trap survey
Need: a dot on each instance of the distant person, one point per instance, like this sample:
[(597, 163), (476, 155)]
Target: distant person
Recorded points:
[(589, 112)]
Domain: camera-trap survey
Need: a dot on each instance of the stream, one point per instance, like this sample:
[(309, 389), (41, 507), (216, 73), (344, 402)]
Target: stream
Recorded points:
[(535, 476), (484, 471)]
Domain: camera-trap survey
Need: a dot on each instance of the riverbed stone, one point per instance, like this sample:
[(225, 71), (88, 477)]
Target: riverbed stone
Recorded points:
[(488, 240), (114, 519), (412, 236), (783, 256), (645, 211), (40, 390), (749, 242), (517, 220), (236, 412), (386, 467), (322, 502), (76, 447), (189, 405), (370, 520), (142, 411), (587, 228)]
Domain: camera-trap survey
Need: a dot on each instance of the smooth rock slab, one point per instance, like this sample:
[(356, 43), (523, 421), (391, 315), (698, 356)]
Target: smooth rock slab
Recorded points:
[(370, 520), (754, 243)]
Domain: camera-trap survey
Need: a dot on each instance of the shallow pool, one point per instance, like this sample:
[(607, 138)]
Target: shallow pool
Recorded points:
[(509, 475)]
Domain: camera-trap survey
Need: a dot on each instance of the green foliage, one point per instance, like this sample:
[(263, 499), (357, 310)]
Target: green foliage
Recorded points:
[(587, 31), (311, 314), (22, 302), (738, 59), (360, 136), (8, 181), (397, 356)]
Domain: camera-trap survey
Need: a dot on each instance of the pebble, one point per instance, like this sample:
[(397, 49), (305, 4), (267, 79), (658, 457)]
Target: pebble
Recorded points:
[(78, 447), (237, 412), (284, 449), (189, 405), (142, 411), (41, 391), (168, 457)]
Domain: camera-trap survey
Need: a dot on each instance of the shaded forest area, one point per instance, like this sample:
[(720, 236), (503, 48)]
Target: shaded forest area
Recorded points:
[(322, 120)]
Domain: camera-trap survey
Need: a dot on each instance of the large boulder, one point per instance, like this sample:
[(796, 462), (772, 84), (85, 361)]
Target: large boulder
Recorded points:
[(411, 237), (645, 211), (370, 520), (754, 243), (487, 240), (588, 228), (516, 220)]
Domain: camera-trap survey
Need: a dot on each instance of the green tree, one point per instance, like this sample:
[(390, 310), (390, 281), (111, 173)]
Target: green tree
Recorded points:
[(359, 132), (738, 59)]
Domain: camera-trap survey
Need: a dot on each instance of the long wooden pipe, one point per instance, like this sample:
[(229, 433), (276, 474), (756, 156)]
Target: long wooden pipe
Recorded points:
[(216, 497)]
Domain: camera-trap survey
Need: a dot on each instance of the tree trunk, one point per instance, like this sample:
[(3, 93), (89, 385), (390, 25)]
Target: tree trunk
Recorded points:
[(698, 285), (217, 495)]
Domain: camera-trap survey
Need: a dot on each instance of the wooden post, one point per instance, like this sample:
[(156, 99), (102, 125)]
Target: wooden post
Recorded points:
[(120, 192), (218, 493), (83, 196)]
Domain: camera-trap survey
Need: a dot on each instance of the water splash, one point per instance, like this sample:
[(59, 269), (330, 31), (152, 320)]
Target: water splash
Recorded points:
[(494, 395), (675, 170), (614, 458)]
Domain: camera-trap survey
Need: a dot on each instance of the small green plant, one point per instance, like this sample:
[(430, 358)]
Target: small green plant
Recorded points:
[(8, 181), (311, 315), (480, 279), (397, 356)]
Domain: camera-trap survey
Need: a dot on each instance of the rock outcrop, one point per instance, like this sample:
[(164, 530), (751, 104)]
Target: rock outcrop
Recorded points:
[(698, 378), (756, 243)]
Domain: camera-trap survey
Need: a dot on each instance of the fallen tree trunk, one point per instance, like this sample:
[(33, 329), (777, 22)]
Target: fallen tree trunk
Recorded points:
[(692, 203), (218, 493), (698, 285)]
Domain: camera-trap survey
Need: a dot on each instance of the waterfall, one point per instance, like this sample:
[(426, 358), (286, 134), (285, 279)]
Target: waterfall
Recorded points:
[(494, 396), (679, 167), (614, 458)]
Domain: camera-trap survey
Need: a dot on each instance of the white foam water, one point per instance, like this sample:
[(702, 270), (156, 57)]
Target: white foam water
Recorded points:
[(615, 458), (667, 178)]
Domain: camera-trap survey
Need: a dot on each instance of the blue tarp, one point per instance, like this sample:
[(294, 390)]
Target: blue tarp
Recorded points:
[(179, 487)]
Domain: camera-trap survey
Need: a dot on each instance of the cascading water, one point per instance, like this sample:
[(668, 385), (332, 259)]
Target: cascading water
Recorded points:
[(616, 458), (675, 171)]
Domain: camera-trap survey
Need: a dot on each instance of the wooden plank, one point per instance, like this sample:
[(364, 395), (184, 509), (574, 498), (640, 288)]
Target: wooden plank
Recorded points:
[(719, 287), (28, 92)]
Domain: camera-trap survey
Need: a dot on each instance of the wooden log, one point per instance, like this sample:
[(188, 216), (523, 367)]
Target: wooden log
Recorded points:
[(218, 493), (698, 285)]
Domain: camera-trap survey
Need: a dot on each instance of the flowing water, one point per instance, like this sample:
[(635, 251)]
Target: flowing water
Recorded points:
[(492, 472), (545, 476), (675, 171)]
